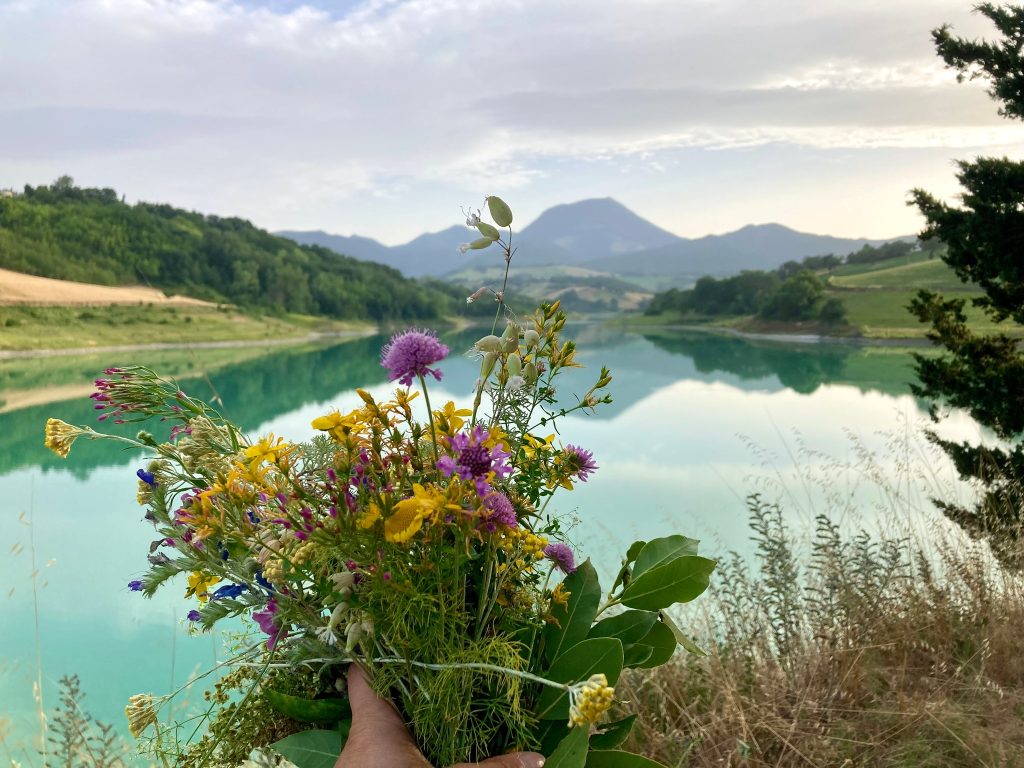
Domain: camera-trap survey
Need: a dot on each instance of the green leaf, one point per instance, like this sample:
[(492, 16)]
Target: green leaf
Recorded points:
[(500, 212), (602, 654), (311, 749), (662, 643), (661, 551), (678, 581), (571, 751), (480, 243), (624, 572), (628, 626), (612, 734), (614, 758), (681, 637), (487, 230), (636, 655), (575, 619), (309, 710)]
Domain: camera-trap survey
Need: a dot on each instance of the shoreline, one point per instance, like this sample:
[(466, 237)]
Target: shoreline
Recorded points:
[(784, 338), (21, 354)]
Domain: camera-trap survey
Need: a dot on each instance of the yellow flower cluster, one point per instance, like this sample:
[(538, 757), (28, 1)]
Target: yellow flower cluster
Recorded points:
[(60, 435), (140, 712), (199, 585), (589, 700), (425, 504)]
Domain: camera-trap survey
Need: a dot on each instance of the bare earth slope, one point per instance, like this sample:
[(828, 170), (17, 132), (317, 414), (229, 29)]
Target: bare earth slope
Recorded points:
[(18, 288)]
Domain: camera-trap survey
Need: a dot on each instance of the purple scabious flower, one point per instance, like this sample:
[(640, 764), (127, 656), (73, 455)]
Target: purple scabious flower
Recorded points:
[(410, 353), (475, 461), (579, 462), (498, 510), (561, 555), (266, 621)]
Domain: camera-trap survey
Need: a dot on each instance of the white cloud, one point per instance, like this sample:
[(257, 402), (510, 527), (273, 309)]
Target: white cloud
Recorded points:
[(291, 114)]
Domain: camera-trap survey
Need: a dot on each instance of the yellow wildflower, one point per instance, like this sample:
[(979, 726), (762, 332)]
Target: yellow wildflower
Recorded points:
[(199, 585), (370, 516), (532, 445), (60, 435), (267, 450), (410, 513), (339, 426), (449, 419), (560, 596)]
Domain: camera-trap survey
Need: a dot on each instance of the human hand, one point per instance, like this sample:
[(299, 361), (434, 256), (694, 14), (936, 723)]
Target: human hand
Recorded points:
[(379, 738)]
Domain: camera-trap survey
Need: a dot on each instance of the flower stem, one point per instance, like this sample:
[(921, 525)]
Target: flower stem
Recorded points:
[(430, 415)]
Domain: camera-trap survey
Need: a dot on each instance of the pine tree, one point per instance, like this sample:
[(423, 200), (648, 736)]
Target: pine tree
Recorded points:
[(984, 238)]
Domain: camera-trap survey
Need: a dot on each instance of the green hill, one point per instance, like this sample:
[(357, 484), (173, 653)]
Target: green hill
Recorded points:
[(90, 235)]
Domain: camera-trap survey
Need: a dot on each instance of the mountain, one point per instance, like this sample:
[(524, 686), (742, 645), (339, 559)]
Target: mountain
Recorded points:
[(756, 246), (604, 236)]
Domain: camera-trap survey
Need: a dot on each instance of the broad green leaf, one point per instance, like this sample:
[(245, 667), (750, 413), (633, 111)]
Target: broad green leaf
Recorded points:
[(660, 551), (634, 550), (311, 749), (681, 637), (487, 230), (590, 657), (614, 758), (309, 710), (571, 751), (480, 242), (574, 620), (636, 654), (678, 581), (499, 211), (662, 643), (612, 734), (628, 626)]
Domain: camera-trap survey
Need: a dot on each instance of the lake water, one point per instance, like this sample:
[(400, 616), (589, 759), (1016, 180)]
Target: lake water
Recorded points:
[(699, 421)]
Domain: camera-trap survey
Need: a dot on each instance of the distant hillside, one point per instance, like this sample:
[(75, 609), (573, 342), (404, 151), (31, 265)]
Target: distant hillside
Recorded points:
[(605, 237), (90, 236), (757, 246)]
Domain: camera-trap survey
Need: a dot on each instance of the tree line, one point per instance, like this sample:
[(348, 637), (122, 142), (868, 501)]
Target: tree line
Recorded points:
[(91, 235)]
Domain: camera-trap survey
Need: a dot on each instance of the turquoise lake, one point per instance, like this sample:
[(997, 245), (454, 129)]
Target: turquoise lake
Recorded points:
[(699, 422)]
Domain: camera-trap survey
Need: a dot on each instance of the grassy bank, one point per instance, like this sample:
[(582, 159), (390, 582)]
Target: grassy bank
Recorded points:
[(852, 651), (34, 328)]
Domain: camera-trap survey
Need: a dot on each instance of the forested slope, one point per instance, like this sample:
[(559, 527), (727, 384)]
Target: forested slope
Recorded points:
[(90, 235)]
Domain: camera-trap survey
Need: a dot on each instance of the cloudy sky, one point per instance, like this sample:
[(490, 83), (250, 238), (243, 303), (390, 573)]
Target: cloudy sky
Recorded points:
[(383, 117)]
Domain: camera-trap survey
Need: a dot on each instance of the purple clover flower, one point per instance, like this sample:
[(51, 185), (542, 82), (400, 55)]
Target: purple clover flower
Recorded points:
[(499, 511), (475, 461), (561, 555), (410, 353), (579, 462)]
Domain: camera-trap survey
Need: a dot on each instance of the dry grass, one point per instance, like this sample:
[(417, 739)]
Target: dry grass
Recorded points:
[(864, 651)]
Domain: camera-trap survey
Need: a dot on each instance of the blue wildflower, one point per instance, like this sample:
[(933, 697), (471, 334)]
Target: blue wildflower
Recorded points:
[(147, 477), (135, 585), (194, 615), (228, 591)]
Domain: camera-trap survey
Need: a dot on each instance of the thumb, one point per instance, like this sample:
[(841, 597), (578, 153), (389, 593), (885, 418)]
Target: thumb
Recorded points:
[(513, 760), (372, 717)]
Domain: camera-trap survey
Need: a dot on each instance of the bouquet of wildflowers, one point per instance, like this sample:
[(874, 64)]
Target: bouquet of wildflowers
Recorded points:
[(423, 550)]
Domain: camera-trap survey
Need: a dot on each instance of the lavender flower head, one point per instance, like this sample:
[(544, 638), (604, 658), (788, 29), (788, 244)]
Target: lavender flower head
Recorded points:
[(579, 462), (410, 353), (475, 461), (561, 555)]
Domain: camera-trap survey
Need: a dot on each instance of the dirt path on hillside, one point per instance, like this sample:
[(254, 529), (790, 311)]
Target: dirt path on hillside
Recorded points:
[(18, 288)]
